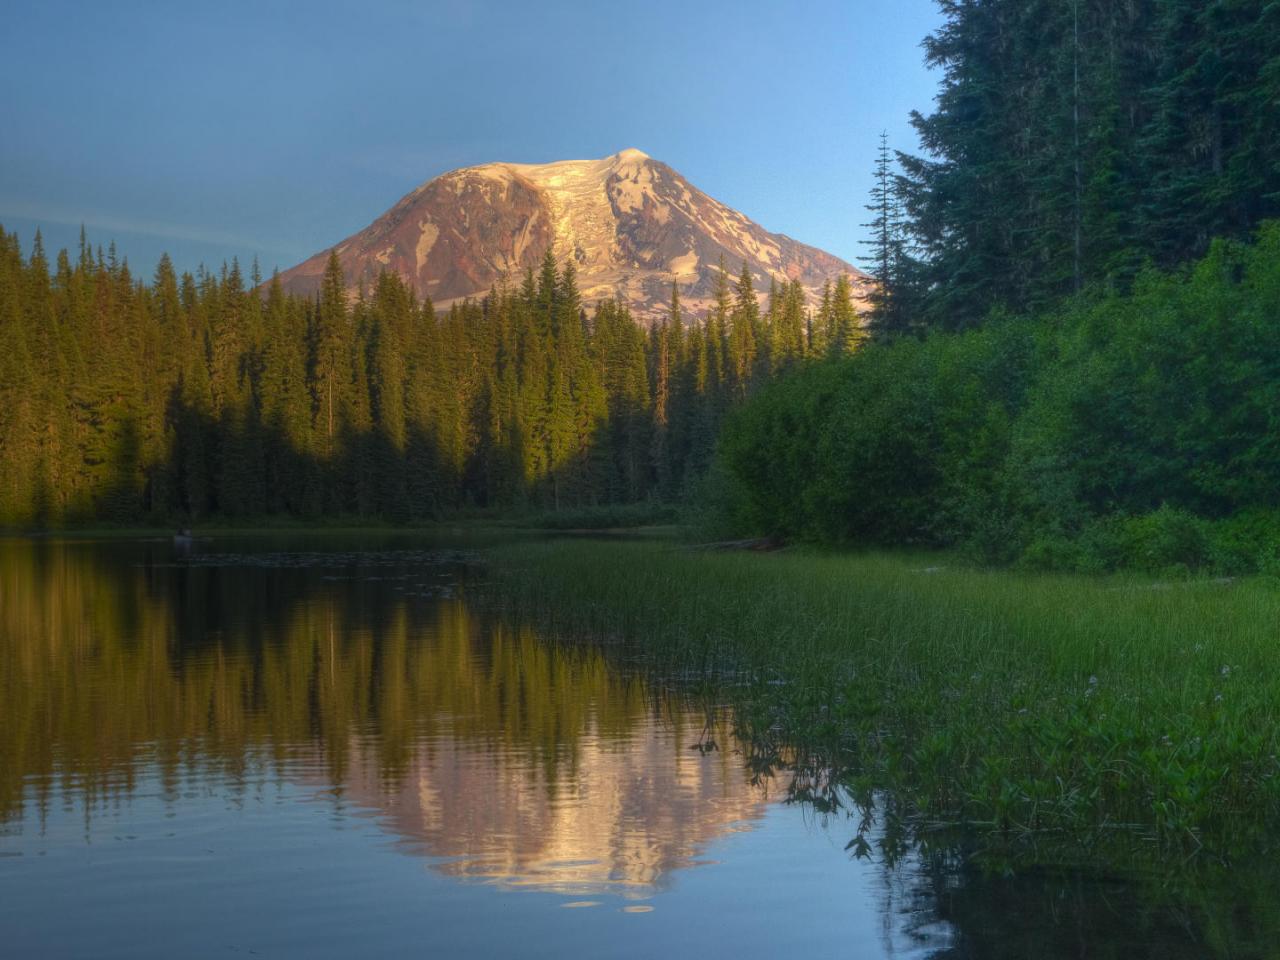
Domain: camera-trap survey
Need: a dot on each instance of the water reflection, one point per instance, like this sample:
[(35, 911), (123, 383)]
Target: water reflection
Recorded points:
[(619, 816), (363, 674), (162, 700)]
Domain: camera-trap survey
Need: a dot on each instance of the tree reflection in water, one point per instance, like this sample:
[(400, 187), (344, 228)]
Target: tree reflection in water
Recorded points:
[(363, 672)]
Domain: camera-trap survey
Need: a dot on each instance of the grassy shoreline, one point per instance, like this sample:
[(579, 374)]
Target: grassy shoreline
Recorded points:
[(1028, 703)]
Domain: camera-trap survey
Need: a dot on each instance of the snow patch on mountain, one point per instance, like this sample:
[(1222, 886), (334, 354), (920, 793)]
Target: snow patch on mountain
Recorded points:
[(426, 240)]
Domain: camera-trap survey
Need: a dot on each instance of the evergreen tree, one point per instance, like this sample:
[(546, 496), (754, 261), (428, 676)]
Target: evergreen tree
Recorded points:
[(744, 325), (1074, 141), (661, 385), (846, 332), (887, 317)]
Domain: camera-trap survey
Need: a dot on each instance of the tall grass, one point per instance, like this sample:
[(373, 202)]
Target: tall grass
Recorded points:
[(1019, 701)]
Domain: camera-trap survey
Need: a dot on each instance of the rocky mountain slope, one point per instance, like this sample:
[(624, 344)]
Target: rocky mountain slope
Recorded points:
[(631, 223)]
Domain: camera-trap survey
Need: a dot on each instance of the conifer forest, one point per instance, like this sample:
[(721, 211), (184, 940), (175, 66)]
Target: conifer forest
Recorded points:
[(219, 395)]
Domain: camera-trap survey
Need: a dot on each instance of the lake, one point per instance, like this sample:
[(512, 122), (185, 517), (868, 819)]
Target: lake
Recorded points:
[(333, 746)]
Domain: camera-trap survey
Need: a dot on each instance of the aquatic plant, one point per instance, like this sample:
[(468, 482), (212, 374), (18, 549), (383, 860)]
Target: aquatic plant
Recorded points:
[(1025, 703)]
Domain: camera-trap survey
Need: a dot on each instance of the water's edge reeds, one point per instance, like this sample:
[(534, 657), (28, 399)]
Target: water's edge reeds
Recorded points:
[(1119, 709)]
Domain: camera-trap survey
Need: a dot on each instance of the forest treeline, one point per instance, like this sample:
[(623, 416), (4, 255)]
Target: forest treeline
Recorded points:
[(214, 396), (1076, 359)]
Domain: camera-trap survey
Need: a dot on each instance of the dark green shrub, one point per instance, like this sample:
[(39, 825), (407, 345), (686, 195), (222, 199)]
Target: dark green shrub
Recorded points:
[(1123, 431), (1169, 540), (1248, 542)]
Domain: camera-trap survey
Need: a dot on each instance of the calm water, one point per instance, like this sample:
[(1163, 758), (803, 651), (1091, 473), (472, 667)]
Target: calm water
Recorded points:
[(326, 748)]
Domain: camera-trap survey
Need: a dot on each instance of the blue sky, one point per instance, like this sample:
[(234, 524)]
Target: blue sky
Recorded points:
[(275, 128)]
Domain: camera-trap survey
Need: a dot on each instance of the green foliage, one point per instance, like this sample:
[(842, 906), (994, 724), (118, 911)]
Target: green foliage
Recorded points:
[(1130, 430), (1072, 142), (1036, 705), (767, 446), (894, 444), (200, 397)]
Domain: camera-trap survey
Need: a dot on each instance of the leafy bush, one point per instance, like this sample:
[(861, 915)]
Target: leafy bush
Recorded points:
[(1122, 431), (1167, 540), (1248, 542), (767, 456)]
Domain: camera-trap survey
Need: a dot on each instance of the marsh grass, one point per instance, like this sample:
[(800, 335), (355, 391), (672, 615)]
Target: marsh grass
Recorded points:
[(1026, 703)]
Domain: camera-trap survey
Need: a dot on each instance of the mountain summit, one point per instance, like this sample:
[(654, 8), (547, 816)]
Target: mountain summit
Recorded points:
[(631, 224)]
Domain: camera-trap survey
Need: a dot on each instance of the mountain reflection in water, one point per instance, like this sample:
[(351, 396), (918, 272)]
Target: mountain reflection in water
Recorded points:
[(619, 815), (497, 755), (204, 752)]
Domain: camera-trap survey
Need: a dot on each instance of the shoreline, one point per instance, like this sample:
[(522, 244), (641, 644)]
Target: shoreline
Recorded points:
[(1033, 703)]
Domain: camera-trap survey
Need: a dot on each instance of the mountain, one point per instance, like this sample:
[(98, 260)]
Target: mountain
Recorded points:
[(631, 223)]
